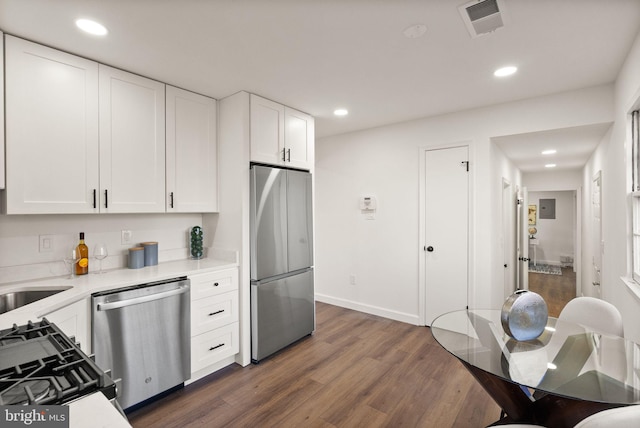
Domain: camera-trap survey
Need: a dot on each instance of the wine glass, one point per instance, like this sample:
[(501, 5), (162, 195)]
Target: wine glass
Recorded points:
[(71, 257), (100, 253)]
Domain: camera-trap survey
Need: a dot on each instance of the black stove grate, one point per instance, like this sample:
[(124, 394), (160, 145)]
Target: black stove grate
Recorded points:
[(40, 365)]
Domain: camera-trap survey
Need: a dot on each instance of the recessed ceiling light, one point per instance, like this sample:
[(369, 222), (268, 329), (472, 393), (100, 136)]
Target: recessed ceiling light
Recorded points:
[(549, 152), (505, 71), (550, 165), (91, 27), (341, 112), (415, 31)]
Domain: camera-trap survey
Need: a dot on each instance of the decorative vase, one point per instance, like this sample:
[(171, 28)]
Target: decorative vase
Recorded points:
[(524, 315), (197, 251)]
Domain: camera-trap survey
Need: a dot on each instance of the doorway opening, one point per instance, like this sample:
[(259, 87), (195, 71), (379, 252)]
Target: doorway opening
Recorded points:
[(553, 246)]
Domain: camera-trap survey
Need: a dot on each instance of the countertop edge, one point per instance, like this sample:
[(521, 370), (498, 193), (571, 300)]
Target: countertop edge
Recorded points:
[(82, 287)]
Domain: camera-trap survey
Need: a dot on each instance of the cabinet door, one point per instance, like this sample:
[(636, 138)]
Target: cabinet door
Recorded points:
[(267, 136), (192, 155), (51, 130), (298, 139), (74, 320), (1, 114), (132, 143)]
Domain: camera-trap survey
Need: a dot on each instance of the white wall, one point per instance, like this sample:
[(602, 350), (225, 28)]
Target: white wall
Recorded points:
[(616, 184), (594, 166), (556, 237), (20, 258), (553, 180), (383, 254), (504, 252)]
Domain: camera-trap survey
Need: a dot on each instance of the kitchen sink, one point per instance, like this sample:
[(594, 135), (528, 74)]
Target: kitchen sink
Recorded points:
[(16, 299)]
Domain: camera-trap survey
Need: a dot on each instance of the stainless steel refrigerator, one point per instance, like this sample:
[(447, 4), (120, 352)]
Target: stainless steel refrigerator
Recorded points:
[(282, 296)]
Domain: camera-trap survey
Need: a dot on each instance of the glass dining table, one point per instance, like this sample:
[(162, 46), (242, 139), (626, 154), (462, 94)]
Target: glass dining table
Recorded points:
[(568, 373)]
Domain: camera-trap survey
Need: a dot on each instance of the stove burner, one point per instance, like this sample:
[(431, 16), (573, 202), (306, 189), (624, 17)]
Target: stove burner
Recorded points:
[(38, 389), (40, 365)]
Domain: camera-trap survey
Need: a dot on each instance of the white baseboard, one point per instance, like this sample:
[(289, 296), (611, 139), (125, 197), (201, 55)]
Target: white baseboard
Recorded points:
[(369, 309)]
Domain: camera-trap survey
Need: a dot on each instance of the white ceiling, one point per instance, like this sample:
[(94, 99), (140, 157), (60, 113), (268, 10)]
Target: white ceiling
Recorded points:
[(574, 146), (317, 55)]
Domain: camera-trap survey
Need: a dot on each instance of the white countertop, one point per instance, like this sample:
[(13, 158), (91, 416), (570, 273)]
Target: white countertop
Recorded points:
[(95, 411), (83, 286)]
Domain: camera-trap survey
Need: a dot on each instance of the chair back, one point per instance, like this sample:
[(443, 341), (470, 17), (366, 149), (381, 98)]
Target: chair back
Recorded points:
[(595, 313), (628, 416)]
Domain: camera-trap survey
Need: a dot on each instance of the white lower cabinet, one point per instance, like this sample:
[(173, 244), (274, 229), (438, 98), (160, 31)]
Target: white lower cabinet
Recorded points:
[(74, 320), (209, 348), (215, 331)]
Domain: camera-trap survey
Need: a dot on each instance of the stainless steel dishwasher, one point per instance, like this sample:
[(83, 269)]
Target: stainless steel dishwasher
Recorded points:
[(142, 333)]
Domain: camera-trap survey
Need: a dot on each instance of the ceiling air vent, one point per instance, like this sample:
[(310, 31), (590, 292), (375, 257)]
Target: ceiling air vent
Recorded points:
[(483, 17)]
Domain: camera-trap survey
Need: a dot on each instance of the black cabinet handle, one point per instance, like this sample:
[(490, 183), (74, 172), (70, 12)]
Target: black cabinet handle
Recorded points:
[(215, 284), (94, 198), (216, 347), (284, 158), (288, 155), (106, 198), (216, 312), (430, 249), (171, 199)]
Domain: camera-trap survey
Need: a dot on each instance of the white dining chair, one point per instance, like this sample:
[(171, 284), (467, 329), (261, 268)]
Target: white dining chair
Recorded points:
[(628, 416), (595, 313)]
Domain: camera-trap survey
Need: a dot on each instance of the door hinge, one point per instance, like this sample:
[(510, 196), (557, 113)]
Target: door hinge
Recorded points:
[(466, 164)]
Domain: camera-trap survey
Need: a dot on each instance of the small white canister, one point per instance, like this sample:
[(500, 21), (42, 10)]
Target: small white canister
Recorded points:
[(150, 253)]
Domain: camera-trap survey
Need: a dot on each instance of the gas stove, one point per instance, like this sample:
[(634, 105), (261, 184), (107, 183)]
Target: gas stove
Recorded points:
[(40, 365)]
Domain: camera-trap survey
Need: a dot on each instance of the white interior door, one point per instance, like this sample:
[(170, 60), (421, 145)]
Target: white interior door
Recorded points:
[(522, 230), (446, 231)]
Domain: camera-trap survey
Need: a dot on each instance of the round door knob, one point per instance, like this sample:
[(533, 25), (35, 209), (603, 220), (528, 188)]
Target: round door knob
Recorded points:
[(430, 249)]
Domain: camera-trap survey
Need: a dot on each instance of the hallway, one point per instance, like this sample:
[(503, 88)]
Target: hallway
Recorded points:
[(556, 290)]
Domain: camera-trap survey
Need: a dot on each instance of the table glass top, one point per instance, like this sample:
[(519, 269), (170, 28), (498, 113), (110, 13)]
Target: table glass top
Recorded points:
[(567, 359)]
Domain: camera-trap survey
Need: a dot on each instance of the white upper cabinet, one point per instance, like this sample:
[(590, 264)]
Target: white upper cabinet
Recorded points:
[(1, 115), (192, 154), (298, 138), (280, 135), (132, 143), (267, 126), (51, 130)]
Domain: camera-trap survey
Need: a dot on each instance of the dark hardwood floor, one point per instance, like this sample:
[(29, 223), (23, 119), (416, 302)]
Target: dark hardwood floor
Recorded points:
[(357, 370)]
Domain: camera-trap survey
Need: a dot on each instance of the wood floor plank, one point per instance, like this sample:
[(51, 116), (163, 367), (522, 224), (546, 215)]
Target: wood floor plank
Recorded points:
[(556, 290), (356, 370)]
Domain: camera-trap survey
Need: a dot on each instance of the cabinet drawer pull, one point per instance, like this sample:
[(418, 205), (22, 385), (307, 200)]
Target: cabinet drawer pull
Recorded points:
[(216, 312), (216, 347), (215, 284), (94, 198), (106, 198), (288, 155), (171, 198), (284, 155)]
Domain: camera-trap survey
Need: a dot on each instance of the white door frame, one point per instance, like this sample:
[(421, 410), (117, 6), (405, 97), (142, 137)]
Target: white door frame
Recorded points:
[(422, 286), (508, 228), (522, 238)]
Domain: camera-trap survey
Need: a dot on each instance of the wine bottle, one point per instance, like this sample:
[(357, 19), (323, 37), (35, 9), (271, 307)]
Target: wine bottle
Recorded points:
[(82, 265)]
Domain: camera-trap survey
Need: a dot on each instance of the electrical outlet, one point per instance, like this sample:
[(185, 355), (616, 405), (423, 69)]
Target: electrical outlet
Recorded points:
[(46, 243), (126, 237)]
